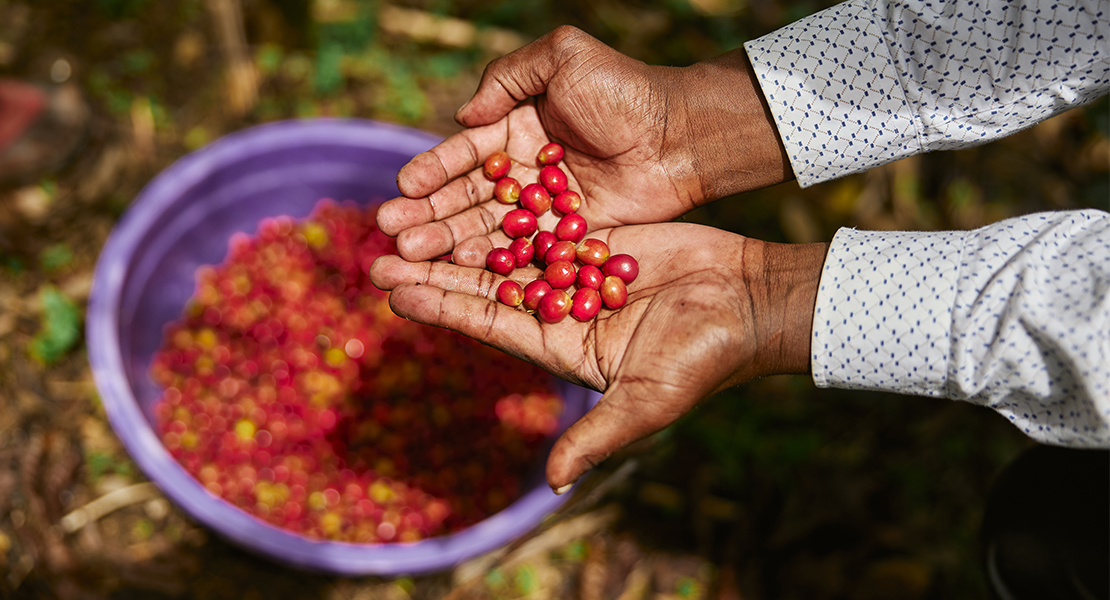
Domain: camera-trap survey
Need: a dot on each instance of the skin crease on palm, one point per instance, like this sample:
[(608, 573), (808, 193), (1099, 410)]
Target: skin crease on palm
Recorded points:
[(644, 144), (742, 312)]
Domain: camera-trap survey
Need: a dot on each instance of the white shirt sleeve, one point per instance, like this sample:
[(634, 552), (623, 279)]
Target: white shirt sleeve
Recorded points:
[(867, 82), (1014, 316)]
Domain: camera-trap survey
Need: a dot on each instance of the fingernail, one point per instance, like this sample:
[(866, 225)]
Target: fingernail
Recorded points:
[(461, 109), (563, 490)]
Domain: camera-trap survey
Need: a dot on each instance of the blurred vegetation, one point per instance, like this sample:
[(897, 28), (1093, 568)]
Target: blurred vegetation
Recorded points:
[(771, 490)]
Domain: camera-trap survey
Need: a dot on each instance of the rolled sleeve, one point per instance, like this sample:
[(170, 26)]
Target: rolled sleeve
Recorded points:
[(867, 82), (1014, 316)]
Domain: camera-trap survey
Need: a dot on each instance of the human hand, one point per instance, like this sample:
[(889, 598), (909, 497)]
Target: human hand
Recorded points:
[(709, 310), (644, 144)]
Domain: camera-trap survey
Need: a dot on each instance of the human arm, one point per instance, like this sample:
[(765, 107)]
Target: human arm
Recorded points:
[(1014, 316), (709, 310), (643, 143), (867, 82)]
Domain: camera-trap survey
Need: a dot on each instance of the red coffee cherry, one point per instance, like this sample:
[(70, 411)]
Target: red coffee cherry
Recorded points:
[(554, 307), (571, 227), (543, 242), (560, 274), (507, 190), (510, 292), (592, 251), (589, 276), (554, 179), (585, 304), (550, 154), (534, 293), (623, 266), (566, 202), (562, 250), (613, 292), (523, 251), (497, 165), (535, 198), (519, 223), (501, 261)]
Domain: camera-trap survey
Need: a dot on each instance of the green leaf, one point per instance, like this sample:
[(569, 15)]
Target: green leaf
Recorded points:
[(495, 579), (55, 257), (61, 327), (526, 580), (13, 264), (329, 73), (138, 62), (268, 58)]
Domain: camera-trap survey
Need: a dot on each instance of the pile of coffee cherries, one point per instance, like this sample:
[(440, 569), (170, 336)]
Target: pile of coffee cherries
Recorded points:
[(570, 262), (293, 392)]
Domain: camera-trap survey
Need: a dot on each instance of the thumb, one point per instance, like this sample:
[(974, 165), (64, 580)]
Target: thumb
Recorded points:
[(618, 420), (518, 75)]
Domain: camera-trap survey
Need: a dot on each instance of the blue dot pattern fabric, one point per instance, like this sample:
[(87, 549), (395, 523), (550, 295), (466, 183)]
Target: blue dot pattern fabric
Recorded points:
[(867, 82), (1014, 316)]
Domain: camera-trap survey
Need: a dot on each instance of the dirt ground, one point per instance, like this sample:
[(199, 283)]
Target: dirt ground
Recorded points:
[(774, 490)]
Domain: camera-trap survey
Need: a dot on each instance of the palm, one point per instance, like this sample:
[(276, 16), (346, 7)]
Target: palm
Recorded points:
[(684, 334), (616, 150)]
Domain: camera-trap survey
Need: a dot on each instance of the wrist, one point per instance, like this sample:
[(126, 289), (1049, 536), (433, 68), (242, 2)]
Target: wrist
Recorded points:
[(734, 142), (784, 290)]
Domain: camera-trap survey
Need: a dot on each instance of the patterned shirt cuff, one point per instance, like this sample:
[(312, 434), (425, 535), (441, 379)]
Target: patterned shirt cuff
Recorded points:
[(835, 93), (884, 311)]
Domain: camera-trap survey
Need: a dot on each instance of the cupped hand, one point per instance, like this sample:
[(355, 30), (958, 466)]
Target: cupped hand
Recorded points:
[(644, 144), (710, 309)]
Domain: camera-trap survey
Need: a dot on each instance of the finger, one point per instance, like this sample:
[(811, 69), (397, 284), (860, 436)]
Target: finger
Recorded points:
[(459, 154), (617, 421), (403, 213), (513, 331), (390, 271), (428, 241), (473, 252), (522, 73)]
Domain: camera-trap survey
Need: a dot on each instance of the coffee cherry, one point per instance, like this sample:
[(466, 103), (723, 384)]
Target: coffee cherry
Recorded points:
[(623, 266), (554, 179), (257, 378), (519, 223), (562, 250), (560, 274), (571, 227), (535, 198), (566, 202), (507, 190), (534, 293), (554, 307), (589, 276), (613, 292), (501, 261), (543, 242), (523, 251), (510, 292), (497, 165), (550, 154), (585, 304), (592, 251)]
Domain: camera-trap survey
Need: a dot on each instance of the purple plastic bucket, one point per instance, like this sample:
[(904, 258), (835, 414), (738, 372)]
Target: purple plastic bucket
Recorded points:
[(145, 275)]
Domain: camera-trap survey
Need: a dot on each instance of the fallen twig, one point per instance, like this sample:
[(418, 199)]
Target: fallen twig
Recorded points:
[(108, 503)]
